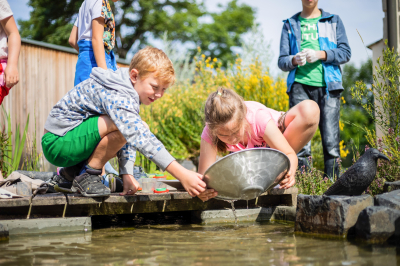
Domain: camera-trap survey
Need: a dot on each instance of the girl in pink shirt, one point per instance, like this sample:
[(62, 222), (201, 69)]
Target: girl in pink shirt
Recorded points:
[(233, 124)]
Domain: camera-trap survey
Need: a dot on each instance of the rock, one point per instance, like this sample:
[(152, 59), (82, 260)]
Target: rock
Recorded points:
[(4, 233), (262, 214), (390, 186), (329, 214), (188, 165), (390, 200), (378, 224)]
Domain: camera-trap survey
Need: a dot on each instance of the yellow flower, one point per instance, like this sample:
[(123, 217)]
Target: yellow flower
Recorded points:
[(203, 56), (215, 60)]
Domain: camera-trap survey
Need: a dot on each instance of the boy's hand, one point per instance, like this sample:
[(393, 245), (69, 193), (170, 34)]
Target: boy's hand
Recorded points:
[(193, 183), (11, 75), (313, 56), (300, 59), (207, 194), (288, 181), (131, 185)]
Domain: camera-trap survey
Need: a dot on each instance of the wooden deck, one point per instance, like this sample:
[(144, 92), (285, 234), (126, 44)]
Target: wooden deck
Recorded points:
[(74, 205)]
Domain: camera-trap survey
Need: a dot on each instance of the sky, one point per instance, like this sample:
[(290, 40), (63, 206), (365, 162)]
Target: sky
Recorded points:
[(366, 16)]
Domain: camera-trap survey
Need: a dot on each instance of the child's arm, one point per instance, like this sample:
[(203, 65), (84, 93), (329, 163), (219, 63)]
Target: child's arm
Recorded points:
[(97, 42), (208, 156), (275, 139), (285, 60), (191, 181), (73, 38), (14, 45)]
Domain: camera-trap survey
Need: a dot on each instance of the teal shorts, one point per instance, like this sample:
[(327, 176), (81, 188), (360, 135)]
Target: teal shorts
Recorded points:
[(75, 146)]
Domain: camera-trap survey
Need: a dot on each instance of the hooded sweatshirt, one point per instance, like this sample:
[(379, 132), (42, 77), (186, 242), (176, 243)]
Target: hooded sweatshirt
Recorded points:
[(111, 93), (332, 39)]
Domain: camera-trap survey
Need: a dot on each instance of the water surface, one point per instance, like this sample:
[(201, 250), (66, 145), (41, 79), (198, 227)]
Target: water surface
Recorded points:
[(247, 244)]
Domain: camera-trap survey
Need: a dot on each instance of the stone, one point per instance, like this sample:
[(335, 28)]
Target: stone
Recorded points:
[(390, 200), (378, 224), (390, 186), (262, 214), (4, 233), (48, 225), (334, 215), (188, 165)]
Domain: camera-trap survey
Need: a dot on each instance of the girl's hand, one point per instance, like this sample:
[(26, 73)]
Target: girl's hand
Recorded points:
[(207, 194), (288, 181), (11, 75), (131, 185)]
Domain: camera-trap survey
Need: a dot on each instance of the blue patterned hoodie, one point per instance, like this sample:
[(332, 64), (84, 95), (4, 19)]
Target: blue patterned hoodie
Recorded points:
[(332, 39), (111, 93)]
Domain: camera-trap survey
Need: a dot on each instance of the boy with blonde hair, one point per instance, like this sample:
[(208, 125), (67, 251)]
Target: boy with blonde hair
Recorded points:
[(99, 118)]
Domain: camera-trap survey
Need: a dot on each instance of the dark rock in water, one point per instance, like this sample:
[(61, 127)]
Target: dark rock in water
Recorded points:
[(329, 214), (390, 200), (358, 177), (4, 233), (378, 224), (390, 186), (38, 175)]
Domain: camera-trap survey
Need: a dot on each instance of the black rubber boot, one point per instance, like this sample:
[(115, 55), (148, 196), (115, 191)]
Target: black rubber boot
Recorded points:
[(89, 184), (71, 172), (303, 161)]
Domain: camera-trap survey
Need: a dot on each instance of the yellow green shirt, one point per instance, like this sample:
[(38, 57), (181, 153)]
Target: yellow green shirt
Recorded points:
[(311, 74)]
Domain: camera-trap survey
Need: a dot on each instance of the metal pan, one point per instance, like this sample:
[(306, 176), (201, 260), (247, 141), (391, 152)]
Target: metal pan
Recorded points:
[(247, 174)]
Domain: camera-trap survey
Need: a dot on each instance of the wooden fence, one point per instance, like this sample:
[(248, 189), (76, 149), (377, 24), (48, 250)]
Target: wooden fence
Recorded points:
[(46, 74)]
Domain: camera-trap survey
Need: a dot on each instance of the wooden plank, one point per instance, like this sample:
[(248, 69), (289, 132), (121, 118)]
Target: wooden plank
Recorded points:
[(49, 199), (18, 202)]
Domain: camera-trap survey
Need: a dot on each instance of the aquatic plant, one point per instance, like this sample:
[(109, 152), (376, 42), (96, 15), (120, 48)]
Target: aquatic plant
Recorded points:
[(11, 153)]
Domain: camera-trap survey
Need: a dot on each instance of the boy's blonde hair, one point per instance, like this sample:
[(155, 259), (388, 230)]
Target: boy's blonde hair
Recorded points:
[(152, 60), (221, 107)]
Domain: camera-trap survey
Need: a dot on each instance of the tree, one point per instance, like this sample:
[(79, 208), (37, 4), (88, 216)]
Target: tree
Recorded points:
[(140, 21)]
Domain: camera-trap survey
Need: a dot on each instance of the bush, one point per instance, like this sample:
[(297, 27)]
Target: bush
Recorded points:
[(385, 112)]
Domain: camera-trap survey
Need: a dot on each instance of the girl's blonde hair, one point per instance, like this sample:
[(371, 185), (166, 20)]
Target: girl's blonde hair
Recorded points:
[(221, 107)]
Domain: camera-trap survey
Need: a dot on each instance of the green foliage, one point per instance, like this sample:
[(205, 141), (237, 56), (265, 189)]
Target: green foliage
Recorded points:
[(385, 111), (50, 21), (352, 74), (138, 21), (33, 159), (11, 155), (312, 182)]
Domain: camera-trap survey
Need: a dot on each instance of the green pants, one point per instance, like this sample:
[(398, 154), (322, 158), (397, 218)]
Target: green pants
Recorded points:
[(75, 146)]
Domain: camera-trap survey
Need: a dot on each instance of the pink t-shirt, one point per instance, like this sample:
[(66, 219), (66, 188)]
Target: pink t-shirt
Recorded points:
[(258, 116)]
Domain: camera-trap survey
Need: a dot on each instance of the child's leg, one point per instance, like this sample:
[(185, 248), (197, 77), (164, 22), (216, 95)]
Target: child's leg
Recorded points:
[(111, 142), (301, 122), (89, 182)]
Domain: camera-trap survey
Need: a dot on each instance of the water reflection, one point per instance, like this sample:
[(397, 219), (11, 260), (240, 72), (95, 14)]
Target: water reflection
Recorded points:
[(247, 244)]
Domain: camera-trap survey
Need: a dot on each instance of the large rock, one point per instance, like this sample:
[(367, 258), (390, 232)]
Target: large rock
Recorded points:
[(390, 200), (329, 214), (390, 186), (378, 224)]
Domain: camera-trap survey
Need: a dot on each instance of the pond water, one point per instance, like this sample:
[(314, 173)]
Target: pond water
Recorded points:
[(270, 243)]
